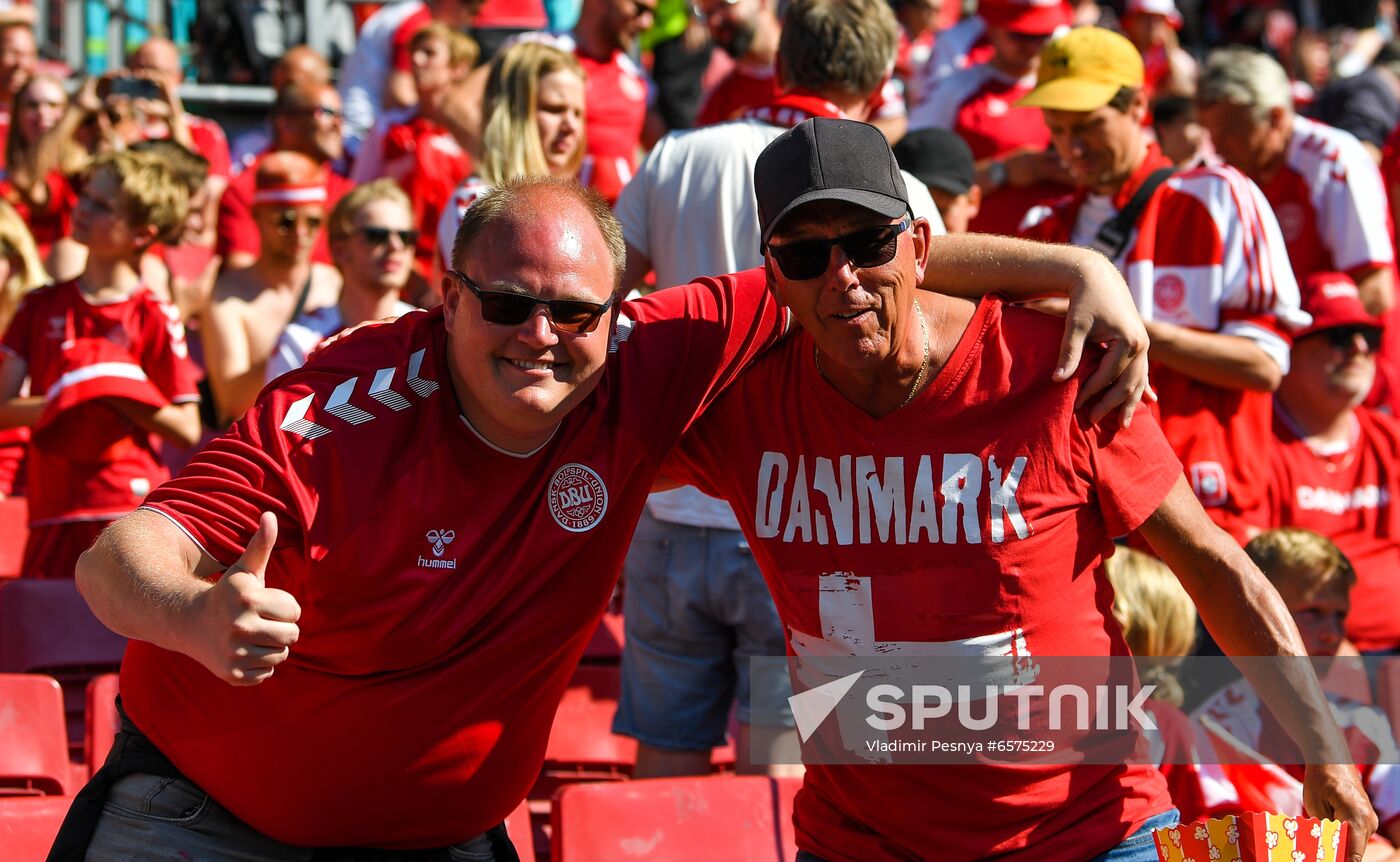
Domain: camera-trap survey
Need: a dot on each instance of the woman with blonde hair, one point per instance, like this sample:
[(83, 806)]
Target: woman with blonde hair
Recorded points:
[(21, 271), (38, 165), (533, 127)]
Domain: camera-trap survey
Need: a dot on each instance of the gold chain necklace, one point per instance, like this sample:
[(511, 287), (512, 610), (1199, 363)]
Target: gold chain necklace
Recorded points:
[(923, 368)]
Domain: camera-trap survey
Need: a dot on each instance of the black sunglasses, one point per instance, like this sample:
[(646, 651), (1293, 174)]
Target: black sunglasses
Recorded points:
[(380, 235), (504, 308), (1343, 337), (809, 258), (287, 223)]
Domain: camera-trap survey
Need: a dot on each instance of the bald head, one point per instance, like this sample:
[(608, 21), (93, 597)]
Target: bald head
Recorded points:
[(18, 55), (301, 66), (158, 57)]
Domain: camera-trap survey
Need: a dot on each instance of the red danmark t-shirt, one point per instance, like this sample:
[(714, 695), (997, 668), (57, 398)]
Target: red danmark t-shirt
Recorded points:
[(447, 587), (953, 518), (616, 95), (1349, 496), (50, 322)]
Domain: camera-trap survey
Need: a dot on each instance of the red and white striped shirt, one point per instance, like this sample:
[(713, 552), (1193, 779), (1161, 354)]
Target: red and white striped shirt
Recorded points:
[(1207, 254)]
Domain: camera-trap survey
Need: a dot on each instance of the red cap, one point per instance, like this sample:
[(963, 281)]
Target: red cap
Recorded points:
[(1032, 17), (76, 423), (1165, 8), (1333, 301)]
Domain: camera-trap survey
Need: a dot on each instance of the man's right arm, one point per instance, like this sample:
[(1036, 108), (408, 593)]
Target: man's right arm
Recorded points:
[(146, 579)]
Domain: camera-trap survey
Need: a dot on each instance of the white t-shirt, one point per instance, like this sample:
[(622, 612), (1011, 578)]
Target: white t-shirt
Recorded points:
[(690, 209), (364, 72), (303, 335)]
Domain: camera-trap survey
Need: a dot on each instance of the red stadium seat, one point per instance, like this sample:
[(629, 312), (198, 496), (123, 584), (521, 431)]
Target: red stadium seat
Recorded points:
[(33, 746), (14, 532), (46, 627), (28, 826), (521, 832), (102, 720), (582, 746), (735, 818)]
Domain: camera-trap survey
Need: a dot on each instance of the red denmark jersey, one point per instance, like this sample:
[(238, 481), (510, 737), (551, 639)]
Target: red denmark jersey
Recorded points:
[(616, 94), (978, 103), (46, 325), (1349, 496), (447, 588), (919, 532), (514, 14), (1206, 254), (1330, 202), (239, 232)]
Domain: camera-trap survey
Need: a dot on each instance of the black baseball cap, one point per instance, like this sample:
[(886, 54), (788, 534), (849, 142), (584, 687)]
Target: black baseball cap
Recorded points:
[(939, 158), (826, 159)]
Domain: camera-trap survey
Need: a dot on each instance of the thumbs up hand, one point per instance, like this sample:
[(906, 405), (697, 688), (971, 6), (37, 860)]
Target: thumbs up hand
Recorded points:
[(244, 628)]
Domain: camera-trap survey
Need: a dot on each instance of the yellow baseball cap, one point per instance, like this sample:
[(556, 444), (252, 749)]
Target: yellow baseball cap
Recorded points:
[(1083, 69)]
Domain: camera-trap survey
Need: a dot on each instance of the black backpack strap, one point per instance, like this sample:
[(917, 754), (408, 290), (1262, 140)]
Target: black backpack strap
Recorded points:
[(1112, 237)]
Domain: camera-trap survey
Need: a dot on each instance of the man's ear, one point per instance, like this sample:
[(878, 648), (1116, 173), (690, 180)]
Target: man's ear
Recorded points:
[(921, 233), (451, 298)]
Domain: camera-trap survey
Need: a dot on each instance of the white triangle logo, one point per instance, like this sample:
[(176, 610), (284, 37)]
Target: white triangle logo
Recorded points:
[(811, 707)]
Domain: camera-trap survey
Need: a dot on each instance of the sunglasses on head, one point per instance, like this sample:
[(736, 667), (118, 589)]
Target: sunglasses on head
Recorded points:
[(287, 222), (1343, 337), (504, 308), (380, 235), (809, 258)]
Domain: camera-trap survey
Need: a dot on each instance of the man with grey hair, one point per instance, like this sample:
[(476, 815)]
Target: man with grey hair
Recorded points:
[(689, 213), (482, 466), (1323, 186)]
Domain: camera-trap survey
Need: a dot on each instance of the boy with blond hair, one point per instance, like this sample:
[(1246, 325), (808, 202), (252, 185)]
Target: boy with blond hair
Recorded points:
[(106, 365)]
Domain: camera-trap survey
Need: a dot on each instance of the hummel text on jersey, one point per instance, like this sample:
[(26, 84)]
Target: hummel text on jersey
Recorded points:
[(867, 501), (1338, 502)]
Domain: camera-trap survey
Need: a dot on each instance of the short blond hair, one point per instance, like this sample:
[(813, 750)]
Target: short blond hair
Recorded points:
[(342, 218), (1288, 553), (151, 192), (462, 49), (1157, 616)]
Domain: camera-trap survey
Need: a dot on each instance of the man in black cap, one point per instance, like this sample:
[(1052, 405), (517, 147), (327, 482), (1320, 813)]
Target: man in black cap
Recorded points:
[(898, 509), (942, 161)]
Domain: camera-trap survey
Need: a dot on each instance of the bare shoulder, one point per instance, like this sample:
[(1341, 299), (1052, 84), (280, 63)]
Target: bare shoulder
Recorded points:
[(236, 287)]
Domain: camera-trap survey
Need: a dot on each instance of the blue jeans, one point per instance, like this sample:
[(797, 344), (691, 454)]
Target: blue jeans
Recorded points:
[(1137, 847), (697, 609), (152, 818)]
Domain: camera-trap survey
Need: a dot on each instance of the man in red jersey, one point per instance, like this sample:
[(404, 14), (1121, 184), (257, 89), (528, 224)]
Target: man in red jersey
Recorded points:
[(1323, 186), (1016, 168), (107, 365), (897, 510), (1335, 463), (1202, 255), (418, 531), (307, 120)]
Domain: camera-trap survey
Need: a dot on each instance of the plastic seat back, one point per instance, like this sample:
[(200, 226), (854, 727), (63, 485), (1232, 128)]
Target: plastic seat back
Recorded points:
[(669, 820), (28, 826), (33, 743)]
